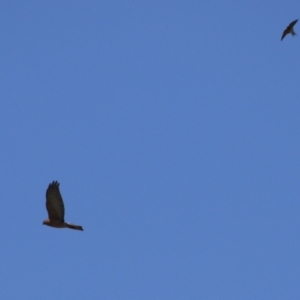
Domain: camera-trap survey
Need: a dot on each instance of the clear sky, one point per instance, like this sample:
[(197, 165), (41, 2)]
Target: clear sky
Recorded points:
[(173, 129)]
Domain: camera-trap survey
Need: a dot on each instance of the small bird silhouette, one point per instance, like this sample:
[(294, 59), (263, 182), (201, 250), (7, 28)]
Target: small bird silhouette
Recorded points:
[(289, 29), (56, 209)]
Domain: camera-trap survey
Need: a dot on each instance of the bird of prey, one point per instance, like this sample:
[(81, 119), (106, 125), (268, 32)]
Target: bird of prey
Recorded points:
[(56, 209), (289, 29)]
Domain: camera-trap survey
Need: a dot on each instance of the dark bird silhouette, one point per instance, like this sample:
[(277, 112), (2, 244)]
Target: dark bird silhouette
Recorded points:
[(56, 209), (289, 29)]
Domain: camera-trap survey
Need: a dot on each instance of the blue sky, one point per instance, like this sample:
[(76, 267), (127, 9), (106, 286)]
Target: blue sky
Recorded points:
[(173, 129)]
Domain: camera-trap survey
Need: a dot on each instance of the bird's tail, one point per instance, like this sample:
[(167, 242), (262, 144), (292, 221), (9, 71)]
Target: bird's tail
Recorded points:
[(73, 226)]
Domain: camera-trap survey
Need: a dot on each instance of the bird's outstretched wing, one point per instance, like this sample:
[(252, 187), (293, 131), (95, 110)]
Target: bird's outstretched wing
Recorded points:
[(293, 23), (284, 34), (54, 202)]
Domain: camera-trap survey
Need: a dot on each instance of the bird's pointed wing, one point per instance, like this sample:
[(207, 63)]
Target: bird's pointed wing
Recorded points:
[(54, 202), (293, 23), (284, 34)]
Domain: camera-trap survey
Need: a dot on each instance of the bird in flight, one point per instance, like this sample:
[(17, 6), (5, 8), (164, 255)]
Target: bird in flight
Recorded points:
[(289, 29), (56, 209)]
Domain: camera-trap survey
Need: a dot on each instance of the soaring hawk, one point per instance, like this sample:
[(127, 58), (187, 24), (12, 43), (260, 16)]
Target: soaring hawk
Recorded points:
[(289, 29), (56, 209)]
